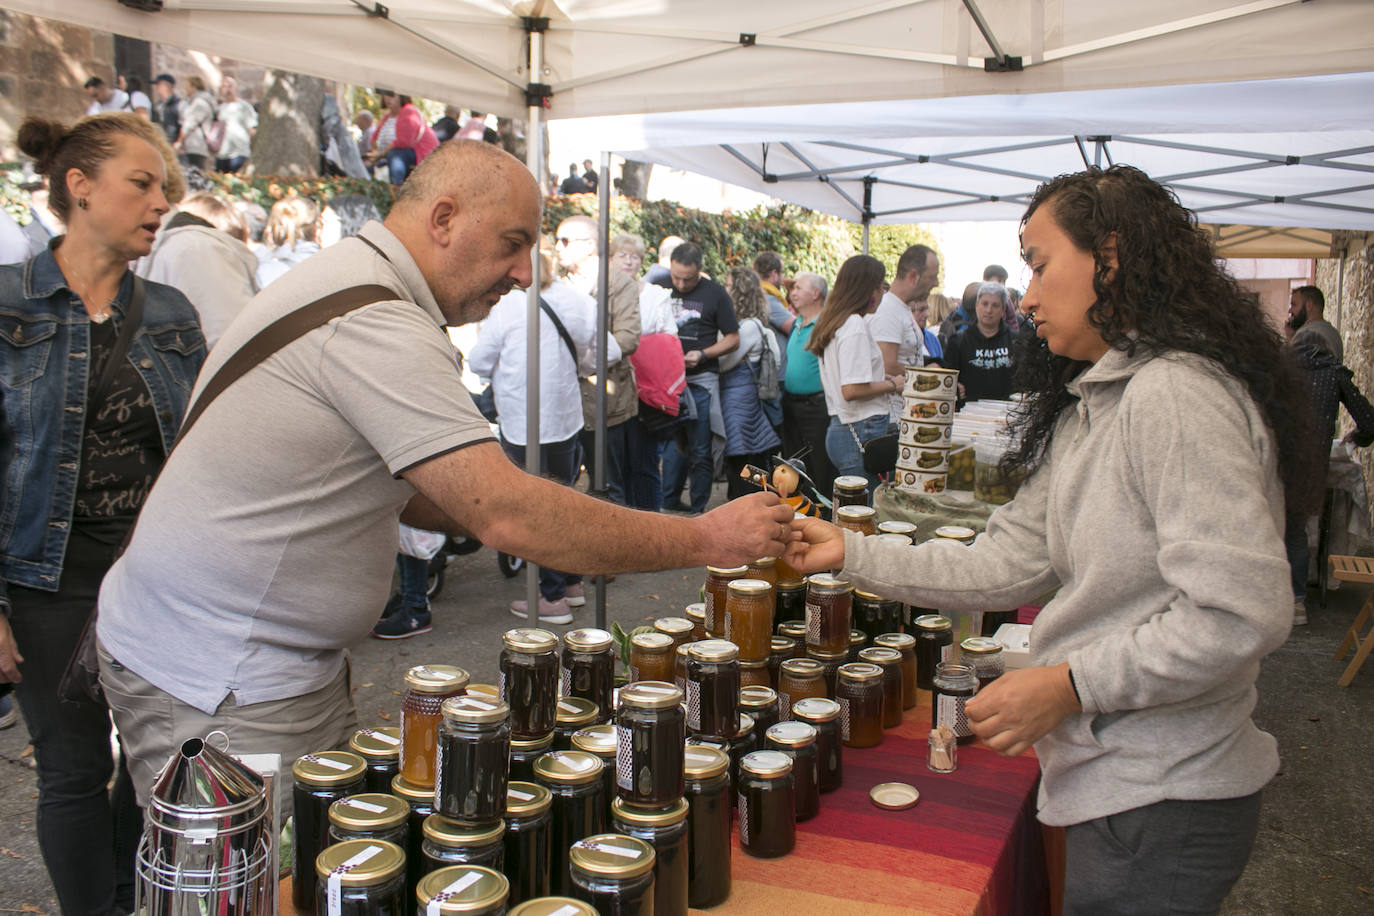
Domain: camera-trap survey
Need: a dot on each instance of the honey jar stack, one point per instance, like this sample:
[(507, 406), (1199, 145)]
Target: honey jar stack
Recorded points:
[(925, 428)]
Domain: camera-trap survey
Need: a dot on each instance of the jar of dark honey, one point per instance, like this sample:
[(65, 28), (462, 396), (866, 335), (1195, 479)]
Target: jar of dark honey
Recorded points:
[(469, 890), (749, 618), (984, 655), (824, 716), (954, 684), (587, 669), (707, 791), (863, 519), (876, 615), (754, 674), (427, 686), (934, 639), (712, 689), (474, 750), (890, 660), (761, 704), (828, 610), (790, 602), (614, 873), (574, 714), (600, 742), (528, 681), (320, 780), (849, 490), (904, 643), (369, 816), (364, 876), (665, 829), (652, 657), (745, 741), (782, 649), (678, 629), (897, 526), (859, 691), (421, 802), (798, 740), (682, 653), (830, 663), (527, 841), (857, 640), (381, 749), (766, 805), (523, 754), (715, 593), (553, 906), (447, 843), (574, 780), (799, 678), (650, 731), (696, 612), (795, 630)]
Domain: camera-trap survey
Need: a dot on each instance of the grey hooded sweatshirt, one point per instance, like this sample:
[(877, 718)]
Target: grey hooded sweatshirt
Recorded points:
[(1158, 513)]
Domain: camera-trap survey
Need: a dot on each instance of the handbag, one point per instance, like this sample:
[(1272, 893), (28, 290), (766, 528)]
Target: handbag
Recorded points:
[(766, 378), (81, 680), (879, 453)]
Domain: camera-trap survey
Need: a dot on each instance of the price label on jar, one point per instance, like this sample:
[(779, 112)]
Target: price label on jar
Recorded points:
[(624, 757), (365, 806), (326, 762), (382, 737), (813, 623), (334, 886), (436, 903)]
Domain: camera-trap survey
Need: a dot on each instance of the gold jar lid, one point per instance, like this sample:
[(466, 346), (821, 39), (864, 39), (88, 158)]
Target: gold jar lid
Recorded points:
[(650, 695), (595, 739), (764, 562), (652, 642), (526, 798), (827, 583), (361, 863), (588, 639), (980, 645), (897, 526), (781, 644), (729, 572), (881, 655), (376, 743), (450, 834), (638, 816), (571, 767), (368, 811), (757, 697), (528, 745), (874, 596), (861, 672), (933, 622), (700, 761), (529, 640), (474, 710), (855, 513), (553, 906), (414, 795), (791, 734), (576, 712), (899, 641), (766, 763), (612, 855), (486, 690), (822, 657), (748, 587), (802, 667), (436, 678), (857, 638), (816, 709), (328, 768), (714, 650), (851, 483), (955, 532), (696, 612), (793, 585), (792, 629), (462, 889), (754, 664), (676, 627), (891, 537), (746, 725)]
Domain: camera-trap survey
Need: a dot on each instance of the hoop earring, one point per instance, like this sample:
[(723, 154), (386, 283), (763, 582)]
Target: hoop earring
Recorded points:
[(81, 202)]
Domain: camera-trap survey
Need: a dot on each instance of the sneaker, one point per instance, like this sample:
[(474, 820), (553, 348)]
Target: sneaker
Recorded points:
[(549, 611), (8, 714), (393, 604), (575, 595), (405, 623), (1299, 613)]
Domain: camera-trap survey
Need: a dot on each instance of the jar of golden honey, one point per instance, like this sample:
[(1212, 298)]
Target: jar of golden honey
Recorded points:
[(749, 618), (427, 686), (863, 519), (652, 657), (715, 594)]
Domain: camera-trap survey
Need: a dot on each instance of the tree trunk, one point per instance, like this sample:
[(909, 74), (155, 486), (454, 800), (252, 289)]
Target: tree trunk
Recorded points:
[(287, 141), (634, 179), (512, 134)]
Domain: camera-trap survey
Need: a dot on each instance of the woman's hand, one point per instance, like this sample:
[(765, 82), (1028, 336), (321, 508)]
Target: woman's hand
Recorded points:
[(10, 659), (1021, 707), (820, 548)]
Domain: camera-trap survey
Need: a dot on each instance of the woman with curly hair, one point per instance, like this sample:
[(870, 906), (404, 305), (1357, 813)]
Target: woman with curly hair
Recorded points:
[(750, 433), (1162, 433)]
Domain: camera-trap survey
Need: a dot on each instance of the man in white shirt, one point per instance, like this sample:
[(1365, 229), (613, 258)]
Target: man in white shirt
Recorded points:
[(105, 98), (893, 325)]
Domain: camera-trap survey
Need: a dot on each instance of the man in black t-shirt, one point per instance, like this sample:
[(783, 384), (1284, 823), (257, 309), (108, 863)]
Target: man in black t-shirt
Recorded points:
[(707, 327)]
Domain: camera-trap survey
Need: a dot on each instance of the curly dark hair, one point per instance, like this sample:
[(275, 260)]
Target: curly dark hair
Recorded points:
[(1167, 293)]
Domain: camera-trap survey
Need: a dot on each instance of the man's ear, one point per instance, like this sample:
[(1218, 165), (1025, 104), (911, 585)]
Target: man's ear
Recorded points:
[(443, 220)]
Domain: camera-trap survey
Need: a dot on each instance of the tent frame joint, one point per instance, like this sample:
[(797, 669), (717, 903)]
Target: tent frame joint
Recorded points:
[(748, 39), (534, 23), (380, 11), (1004, 64)]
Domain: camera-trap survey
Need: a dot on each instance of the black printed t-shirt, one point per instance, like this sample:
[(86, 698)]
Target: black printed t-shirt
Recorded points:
[(984, 363), (121, 448), (701, 315)]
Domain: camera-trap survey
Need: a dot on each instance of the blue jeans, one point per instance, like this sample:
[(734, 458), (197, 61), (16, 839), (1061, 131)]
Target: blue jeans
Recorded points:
[(1299, 555), (677, 467), (414, 576), (400, 162), (232, 164), (844, 452), (644, 481), (560, 462)]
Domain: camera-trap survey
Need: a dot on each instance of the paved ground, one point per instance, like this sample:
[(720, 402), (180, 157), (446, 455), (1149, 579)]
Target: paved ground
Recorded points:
[(1317, 836)]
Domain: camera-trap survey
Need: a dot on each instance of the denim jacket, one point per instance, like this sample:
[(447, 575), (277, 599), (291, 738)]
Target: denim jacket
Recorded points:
[(44, 348)]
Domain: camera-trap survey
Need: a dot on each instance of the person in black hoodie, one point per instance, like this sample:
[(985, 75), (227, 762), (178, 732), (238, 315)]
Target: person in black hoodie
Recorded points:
[(982, 350)]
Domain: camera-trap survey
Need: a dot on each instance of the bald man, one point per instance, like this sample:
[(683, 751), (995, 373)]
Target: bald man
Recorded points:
[(266, 547)]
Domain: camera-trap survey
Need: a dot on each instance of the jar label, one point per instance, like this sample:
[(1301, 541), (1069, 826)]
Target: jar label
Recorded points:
[(573, 763), (742, 807), (474, 703), (946, 651), (784, 706), (709, 619), (365, 806), (326, 762), (624, 757), (844, 717), (381, 736), (334, 886), (634, 673), (813, 623), (565, 682), (622, 851), (516, 793), (436, 903), (501, 684), (565, 910), (439, 774), (693, 704), (950, 711), (568, 707)]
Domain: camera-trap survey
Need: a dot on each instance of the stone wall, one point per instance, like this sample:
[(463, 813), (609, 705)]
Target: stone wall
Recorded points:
[(43, 65), (251, 78), (1355, 320)]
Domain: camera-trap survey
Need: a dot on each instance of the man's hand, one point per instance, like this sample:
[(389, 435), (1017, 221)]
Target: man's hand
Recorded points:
[(1021, 707), (817, 546), (691, 359), (745, 529), (10, 658)]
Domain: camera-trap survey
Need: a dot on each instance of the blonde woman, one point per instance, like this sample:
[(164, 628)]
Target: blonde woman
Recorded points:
[(750, 434), (292, 228)]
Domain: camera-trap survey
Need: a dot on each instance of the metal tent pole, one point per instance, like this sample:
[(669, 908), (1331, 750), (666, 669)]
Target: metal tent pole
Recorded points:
[(535, 93), (603, 293)]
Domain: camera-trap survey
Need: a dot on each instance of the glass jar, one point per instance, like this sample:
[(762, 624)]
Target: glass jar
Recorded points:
[(828, 609), (795, 630), (574, 780), (665, 829), (421, 802), (890, 660), (449, 843), (984, 655), (714, 596), (904, 643), (859, 691), (365, 876), (528, 681), (574, 714), (830, 663), (786, 574), (523, 754), (765, 800), (761, 703), (527, 841), (824, 716), (553, 906), (745, 741), (682, 653), (712, 688), (782, 649), (600, 742), (427, 686), (587, 669), (764, 568), (934, 641), (790, 602), (749, 618), (863, 519), (652, 657), (799, 678), (369, 816), (857, 640), (696, 612), (381, 749), (876, 615), (849, 490), (650, 731), (754, 674), (901, 539), (897, 526), (469, 890), (320, 780), (960, 533), (678, 629), (954, 684), (490, 691), (798, 741), (707, 791), (614, 873), (473, 760)]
